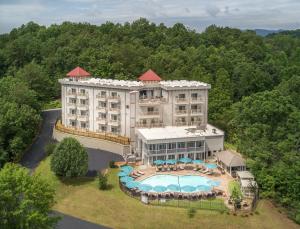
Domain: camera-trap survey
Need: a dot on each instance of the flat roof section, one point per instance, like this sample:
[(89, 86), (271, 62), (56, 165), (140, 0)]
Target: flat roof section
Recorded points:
[(178, 132)]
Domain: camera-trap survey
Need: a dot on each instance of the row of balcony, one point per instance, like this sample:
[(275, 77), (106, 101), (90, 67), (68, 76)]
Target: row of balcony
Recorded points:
[(189, 100)]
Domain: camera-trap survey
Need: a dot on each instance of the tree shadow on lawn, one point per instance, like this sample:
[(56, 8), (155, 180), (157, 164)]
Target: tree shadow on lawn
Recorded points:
[(76, 181)]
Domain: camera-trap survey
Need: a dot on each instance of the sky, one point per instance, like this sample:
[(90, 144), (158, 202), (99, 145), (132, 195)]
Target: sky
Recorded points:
[(195, 14)]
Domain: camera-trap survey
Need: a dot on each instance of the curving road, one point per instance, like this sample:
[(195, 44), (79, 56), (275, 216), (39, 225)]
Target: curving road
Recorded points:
[(98, 160)]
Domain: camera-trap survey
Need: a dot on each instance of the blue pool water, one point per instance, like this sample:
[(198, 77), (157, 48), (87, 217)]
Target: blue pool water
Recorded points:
[(199, 183)]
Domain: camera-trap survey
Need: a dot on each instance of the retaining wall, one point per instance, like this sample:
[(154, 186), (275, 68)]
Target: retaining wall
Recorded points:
[(94, 143)]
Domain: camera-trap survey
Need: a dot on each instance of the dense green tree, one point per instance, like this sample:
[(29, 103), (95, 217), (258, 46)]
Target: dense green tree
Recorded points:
[(25, 200), (69, 159)]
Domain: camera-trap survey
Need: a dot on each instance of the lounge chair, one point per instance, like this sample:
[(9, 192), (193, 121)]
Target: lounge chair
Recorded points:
[(181, 167), (140, 172), (136, 174), (175, 168), (133, 176)]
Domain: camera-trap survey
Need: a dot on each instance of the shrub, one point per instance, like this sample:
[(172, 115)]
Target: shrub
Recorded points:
[(191, 212), (112, 164), (49, 148), (69, 159), (102, 181)]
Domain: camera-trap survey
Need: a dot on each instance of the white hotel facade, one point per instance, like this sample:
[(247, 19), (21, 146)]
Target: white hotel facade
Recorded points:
[(162, 119)]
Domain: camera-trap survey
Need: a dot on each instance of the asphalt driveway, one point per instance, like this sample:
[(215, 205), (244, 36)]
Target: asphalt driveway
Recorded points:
[(98, 160)]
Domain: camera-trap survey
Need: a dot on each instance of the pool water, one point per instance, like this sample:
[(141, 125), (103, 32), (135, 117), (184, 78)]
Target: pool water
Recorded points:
[(186, 180)]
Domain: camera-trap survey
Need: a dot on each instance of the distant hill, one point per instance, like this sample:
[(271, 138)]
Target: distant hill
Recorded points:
[(265, 32)]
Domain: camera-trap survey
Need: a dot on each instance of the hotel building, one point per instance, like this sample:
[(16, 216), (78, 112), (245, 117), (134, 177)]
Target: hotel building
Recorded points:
[(162, 119)]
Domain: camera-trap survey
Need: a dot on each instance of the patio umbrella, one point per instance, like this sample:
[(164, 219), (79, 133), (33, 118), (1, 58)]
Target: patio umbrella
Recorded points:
[(173, 187), (126, 179), (127, 169), (171, 161), (122, 174), (132, 184), (159, 188), (198, 161), (144, 187), (203, 188), (185, 160), (188, 188), (159, 162), (211, 166), (214, 182)]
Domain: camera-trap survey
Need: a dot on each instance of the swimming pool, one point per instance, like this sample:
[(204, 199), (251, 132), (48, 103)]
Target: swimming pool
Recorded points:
[(185, 183)]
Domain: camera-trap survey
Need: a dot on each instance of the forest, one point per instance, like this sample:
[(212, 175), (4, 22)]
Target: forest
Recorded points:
[(254, 97)]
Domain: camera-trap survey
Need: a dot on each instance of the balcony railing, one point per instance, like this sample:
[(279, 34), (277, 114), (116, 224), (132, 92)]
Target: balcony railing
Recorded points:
[(71, 104), (149, 125), (176, 150), (70, 115), (114, 109), (105, 136), (83, 117), (82, 94), (82, 105), (181, 100), (196, 100), (150, 113), (181, 123), (196, 123), (71, 93), (181, 112), (195, 111), (101, 108), (152, 100), (99, 96), (114, 97)]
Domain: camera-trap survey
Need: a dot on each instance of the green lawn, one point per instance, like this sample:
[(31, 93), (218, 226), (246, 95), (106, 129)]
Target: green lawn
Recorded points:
[(113, 208)]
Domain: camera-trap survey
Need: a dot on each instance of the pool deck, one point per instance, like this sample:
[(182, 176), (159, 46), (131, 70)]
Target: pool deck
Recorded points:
[(217, 176)]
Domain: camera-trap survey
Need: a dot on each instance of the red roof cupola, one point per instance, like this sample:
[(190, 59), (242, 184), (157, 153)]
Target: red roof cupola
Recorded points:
[(149, 76), (78, 72)]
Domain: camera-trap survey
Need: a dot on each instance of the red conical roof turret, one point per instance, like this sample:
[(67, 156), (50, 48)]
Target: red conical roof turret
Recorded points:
[(78, 72), (149, 76)]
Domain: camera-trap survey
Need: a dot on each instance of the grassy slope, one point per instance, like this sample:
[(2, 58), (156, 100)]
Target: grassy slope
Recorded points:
[(113, 208)]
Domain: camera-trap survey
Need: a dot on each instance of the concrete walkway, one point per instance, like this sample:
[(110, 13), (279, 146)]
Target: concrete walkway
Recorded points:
[(98, 160)]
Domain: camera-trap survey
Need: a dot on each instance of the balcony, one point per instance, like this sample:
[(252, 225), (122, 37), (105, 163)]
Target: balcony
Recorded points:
[(149, 114), (196, 123), (114, 99), (182, 100), (84, 95), (71, 104), (113, 122), (71, 116), (101, 120), (181, 123), (101, 109), (146, 101), (101, 97), (196, 100), (196, 112), (83, 117), (114, 110), (181, 112), (71, 93), (149, 125), (83, 105)]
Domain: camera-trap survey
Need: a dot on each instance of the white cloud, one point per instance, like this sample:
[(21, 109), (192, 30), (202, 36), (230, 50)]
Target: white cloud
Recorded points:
[(194, 13)]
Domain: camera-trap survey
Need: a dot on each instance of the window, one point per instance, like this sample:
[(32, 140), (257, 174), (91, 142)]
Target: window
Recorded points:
[(72, 100), (191, 144), (181, 108), (171, 156), (194, 96), (114, 94), (102, 104), (83, 125), (72, 111), (181, 96), (150, 109), (113, 105), (73, 90), (194, 107), (82, 101), (102, 115), (82, 91), (83, 113), (171, 145), (181, 145), (114, 129), (72, 123), (199, 144), (114, 117), (102, 128), (103, 93)]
